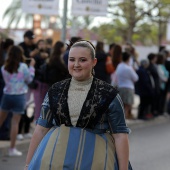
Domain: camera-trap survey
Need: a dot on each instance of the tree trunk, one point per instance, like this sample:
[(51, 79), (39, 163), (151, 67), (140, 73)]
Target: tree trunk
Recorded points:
[(131, 20)]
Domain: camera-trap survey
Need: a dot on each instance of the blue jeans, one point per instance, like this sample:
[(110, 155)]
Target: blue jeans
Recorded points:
[(13, 103)]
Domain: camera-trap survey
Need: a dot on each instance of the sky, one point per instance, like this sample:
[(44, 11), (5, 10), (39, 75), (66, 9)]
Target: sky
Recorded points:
[(3, 7)]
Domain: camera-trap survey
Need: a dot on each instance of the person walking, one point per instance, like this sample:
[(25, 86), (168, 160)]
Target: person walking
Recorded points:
[(90, 131), (16, 75)]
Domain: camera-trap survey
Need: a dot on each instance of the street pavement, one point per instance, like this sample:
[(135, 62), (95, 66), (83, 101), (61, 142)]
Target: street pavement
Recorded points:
[(13, 163), (149, 147)]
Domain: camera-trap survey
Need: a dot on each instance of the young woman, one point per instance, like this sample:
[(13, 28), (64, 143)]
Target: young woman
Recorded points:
[(126, 78), (90, 131), (16, 75), (54, 69)]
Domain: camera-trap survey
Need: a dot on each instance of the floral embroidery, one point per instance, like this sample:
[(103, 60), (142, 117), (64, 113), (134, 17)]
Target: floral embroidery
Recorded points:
[(95, 106)]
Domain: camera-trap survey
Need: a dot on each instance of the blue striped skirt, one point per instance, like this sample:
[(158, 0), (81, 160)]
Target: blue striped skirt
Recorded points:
[(71, 148)]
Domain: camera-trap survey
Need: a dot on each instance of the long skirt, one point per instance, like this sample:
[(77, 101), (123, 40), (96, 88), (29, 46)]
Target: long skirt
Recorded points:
[(71, 148)]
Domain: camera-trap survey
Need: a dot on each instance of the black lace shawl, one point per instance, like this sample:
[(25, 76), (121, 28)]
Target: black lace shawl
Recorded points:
[(96, 104)]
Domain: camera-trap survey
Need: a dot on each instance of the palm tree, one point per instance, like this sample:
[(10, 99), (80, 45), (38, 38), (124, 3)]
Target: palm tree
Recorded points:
[(14, 15)]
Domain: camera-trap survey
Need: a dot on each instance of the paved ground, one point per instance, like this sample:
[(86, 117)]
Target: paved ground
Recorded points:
[(14, 163), (149, 147)]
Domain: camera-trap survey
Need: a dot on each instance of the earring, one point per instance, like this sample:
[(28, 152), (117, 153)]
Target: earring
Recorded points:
[(93, 72)]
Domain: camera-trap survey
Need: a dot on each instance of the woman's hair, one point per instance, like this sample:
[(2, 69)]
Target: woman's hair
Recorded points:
[(117, 55), (4, 46), (86, 44), (125, 56), (39, 41), (1, 53), (99, 46), (55, 57), (151, 56), (72, 41), (144, 62), (15, 56), (112, 45), (7, 43), (160, 59)]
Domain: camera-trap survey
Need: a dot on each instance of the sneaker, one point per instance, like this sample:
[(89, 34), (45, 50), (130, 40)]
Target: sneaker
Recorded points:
[(28, 135), (14, 152), (20, 137)]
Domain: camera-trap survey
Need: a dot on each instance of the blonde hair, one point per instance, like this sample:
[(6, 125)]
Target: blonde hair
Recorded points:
[(86, 44)]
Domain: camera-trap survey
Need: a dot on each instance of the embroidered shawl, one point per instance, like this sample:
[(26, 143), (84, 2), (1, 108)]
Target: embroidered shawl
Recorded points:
[(98, 99)]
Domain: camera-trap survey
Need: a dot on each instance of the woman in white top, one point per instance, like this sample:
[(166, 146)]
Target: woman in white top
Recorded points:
[(126, 77)]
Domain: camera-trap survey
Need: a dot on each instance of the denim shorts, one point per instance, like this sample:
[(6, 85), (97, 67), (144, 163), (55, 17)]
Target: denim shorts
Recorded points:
[(13, 103)]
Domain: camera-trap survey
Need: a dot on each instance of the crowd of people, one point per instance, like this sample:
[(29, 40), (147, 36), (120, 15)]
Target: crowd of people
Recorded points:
[(31, 68)]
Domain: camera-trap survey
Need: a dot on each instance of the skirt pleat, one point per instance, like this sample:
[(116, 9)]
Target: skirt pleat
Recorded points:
[(72, 148)]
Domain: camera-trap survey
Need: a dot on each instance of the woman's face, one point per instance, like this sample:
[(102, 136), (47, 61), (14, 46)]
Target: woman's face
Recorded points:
[(42, 45), (80, 63)]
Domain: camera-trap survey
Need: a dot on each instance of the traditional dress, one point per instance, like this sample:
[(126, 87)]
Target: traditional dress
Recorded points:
[(82, 116)]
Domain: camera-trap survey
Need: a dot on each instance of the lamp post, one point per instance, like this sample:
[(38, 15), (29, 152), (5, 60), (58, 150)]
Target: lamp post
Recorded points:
[(64, 21)]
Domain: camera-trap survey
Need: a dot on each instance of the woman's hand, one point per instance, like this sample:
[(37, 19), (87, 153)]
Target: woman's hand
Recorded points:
[(26, 167)]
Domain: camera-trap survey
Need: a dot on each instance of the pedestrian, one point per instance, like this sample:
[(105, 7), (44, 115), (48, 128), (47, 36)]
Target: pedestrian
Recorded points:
[(89, 117), (5, 45), (30, 51), (144, 87), (101, 66), (153, 69), (116, 59), (163, 77), (126, 77), (28, 44), (38, 87), (52, 71), (49, 44), (16, 75)]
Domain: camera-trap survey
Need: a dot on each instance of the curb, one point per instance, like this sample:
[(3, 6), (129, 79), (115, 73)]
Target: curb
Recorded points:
[(134, 124)]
